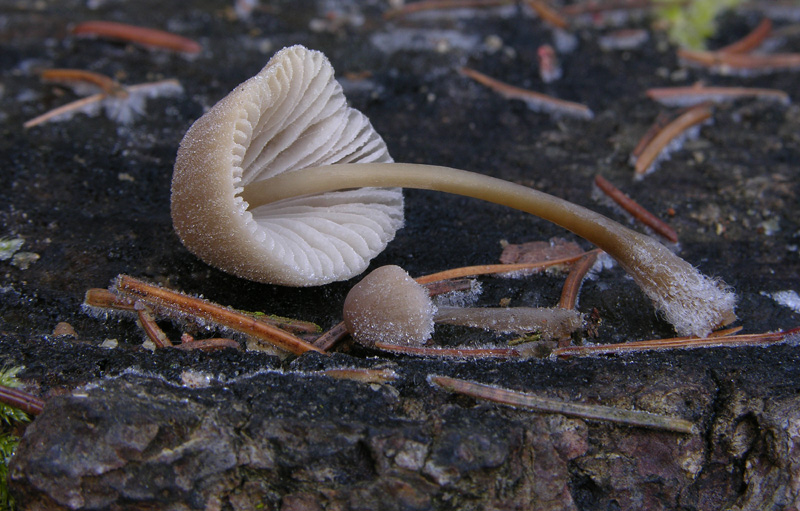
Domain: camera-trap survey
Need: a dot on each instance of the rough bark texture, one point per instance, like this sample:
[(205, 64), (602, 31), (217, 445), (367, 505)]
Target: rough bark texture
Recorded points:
[(126, 428), (297, 440)]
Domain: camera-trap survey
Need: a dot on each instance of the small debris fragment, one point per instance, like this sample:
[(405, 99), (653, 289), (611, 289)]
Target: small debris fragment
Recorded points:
[(24, 260), (623, 39), (9, 247), (549, 66), (546, 405), (109, 343), (533, 251), (64, 329), (195, 379)]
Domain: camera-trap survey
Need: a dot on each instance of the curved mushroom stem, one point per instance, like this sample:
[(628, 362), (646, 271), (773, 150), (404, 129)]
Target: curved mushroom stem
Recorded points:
[(693, 303)]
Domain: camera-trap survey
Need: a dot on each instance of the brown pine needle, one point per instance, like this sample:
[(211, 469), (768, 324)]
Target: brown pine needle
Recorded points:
[(579, 8), (536, 101), (674, 129), (69, 108), (635, 209), (547, 13), (572, 285), (737, 63), (441, 287), (362, 375), (547, 405), (184, 305), (418, 351), (121, 103), (695, 94), (435, 5), (724, 332), (331, 338), (81, 76), (486, 269), (662, 120), (21, 400), (149, 37), (151, 329), (213, 344), (752, 40), (676, 343), (105, 299)]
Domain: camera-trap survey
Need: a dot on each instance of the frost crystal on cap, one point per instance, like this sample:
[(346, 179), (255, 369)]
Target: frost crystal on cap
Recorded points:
[(290, 116)]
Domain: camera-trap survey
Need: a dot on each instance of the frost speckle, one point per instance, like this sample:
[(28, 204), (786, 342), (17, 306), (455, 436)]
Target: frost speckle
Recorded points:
[(788, 298), (24, 260)]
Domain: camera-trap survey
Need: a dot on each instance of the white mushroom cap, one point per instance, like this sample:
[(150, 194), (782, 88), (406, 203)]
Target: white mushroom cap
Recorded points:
[(389, 306), (289, 116)]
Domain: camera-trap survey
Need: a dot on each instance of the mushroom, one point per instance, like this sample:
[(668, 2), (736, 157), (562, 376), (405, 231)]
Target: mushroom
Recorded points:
[(282, 182), (289, 116), (391, 307)]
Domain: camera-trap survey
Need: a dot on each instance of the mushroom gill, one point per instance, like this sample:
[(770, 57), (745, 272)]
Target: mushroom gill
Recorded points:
[(291, 115)]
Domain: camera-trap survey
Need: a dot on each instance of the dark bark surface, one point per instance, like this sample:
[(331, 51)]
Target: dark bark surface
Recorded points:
[(126, 428)]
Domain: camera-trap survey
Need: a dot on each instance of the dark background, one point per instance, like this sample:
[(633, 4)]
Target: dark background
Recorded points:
[(91, 197)]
